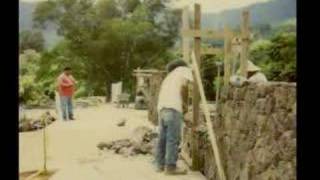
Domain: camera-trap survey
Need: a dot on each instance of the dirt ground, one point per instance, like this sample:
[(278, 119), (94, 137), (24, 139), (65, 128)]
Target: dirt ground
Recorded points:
[(72, 150)]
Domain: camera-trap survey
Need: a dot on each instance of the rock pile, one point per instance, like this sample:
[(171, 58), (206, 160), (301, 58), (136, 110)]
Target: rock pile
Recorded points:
[(88, 101), (121, 122), (142, 141), (28, 124)]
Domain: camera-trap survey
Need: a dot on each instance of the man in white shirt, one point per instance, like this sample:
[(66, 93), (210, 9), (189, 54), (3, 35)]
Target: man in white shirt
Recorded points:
[(172, 97), (254, 75)]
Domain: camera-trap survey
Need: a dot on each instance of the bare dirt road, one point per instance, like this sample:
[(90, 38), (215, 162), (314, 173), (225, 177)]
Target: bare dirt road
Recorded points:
[(72, 148)]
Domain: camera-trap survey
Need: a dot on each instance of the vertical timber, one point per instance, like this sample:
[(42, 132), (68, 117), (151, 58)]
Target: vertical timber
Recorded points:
[(244, 43), (227, 56), (196, 95), (185, 39)]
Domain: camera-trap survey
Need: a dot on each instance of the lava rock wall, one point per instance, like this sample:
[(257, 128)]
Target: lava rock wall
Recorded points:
[(256, 133)]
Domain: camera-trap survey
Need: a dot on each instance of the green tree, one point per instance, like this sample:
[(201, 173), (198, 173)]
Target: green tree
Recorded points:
[(30, 91), (31, 40), (276, 57), (113, 37)]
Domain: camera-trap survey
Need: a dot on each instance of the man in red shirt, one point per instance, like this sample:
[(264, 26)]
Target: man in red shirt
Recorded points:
[(66, 86)]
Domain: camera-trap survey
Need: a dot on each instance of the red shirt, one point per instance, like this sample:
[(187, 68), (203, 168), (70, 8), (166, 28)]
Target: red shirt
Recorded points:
[(66, 85)]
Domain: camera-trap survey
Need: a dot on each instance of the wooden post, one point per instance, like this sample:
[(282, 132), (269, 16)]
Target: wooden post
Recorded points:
[(245, 33), (185, 39), (218, 87), (211, 132), (185, 54), (44, 134), (196, 96), (227, 56)]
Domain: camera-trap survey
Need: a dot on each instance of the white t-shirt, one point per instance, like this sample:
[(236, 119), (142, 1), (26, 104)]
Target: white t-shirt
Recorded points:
[(170, 90), (258, 78)]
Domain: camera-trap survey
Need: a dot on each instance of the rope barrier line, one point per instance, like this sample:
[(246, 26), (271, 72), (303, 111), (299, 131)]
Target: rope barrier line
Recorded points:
[(208, 120)]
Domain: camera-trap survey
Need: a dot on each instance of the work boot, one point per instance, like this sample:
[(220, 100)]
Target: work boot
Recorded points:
[(159, 169), (175, 171), (71, 118)]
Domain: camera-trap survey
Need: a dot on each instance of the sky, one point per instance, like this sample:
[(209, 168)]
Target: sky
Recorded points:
[(206, 5)]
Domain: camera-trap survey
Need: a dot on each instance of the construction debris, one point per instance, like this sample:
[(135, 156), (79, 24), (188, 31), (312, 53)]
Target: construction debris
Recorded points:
[(121, 122), (29, 124), (142, 142), (88, 101)]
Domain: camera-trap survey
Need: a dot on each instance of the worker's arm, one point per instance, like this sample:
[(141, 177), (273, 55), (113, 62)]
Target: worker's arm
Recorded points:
[(72, 79), (64, 84)]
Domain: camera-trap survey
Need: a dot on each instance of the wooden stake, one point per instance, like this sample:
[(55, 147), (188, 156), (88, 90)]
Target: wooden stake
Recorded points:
[(218, 88), (185, 39), (212, 135), (45, 146), (196, 97), (227, 56), (245, 33)]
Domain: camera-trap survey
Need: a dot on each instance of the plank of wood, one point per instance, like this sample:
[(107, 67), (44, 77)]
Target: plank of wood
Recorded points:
[(244, 43), (208, 33), (227, 56), (142, 75), (148, 71), (211, 132), (196, 96), (185, 39)]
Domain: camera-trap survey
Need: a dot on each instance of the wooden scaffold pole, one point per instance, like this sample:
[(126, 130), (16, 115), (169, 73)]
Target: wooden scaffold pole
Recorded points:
[(196, 96), (212, 135), (245, 36)]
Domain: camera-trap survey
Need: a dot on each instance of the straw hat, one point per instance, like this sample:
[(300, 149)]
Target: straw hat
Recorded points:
[(251, 67)]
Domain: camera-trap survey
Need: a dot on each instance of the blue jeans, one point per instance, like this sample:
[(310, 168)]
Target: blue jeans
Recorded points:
[(66, 107), (167, 147)]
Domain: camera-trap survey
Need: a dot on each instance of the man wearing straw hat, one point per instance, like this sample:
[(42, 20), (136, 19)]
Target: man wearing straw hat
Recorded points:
[(254, 75)]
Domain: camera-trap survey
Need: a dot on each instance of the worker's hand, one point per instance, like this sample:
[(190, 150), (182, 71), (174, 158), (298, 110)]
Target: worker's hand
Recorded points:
[(72, 79)]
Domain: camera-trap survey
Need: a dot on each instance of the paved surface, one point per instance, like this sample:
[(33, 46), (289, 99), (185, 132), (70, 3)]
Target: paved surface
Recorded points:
[(73, 153)]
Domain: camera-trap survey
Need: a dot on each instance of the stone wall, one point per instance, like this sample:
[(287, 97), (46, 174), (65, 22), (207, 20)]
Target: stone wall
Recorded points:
[(256, 131)]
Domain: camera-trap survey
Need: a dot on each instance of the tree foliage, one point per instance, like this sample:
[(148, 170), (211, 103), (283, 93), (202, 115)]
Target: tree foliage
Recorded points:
[(30, 91), (31, 40), (112, 37), (276, 56)]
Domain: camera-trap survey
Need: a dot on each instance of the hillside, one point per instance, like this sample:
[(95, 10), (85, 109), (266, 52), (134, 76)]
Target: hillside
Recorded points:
[(272, 12), (25, 23)]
